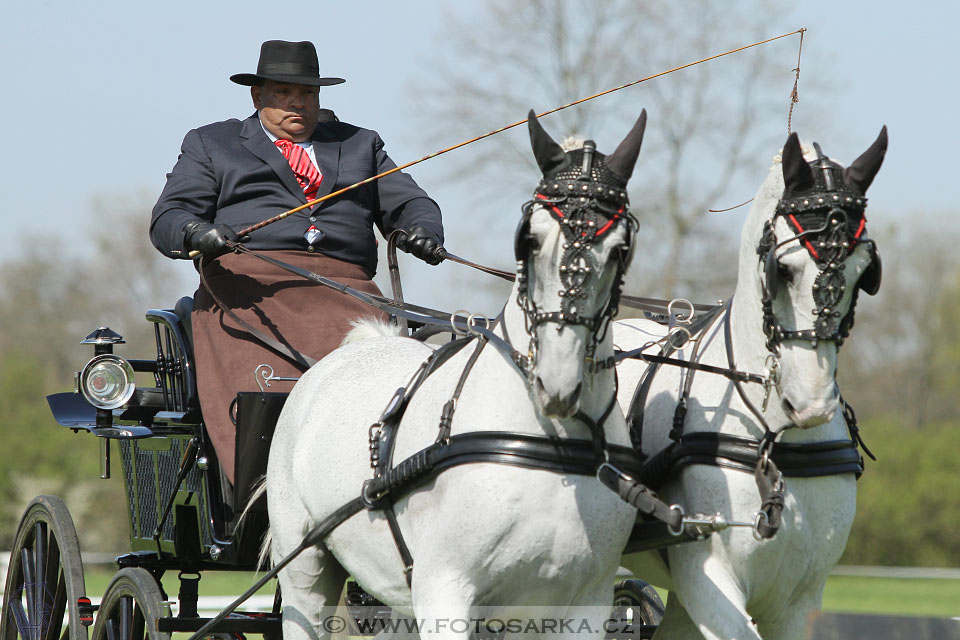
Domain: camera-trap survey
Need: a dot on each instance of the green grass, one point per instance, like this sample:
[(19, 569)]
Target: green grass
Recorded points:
[(212, 583), (849, 594), (893, 596)]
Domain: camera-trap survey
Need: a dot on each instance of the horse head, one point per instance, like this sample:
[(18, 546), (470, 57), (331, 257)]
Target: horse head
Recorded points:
[(572, 246), (812, 257)]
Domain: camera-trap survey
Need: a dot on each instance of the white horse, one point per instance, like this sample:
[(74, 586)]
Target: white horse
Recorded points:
[(480, 534), (732, 585)]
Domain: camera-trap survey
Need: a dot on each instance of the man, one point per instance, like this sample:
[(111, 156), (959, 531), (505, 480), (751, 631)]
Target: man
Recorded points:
[(233, 174)]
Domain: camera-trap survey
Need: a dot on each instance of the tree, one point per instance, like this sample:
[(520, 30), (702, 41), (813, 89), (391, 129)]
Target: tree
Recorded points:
[(901, 359), (49, 301), (711, 126)]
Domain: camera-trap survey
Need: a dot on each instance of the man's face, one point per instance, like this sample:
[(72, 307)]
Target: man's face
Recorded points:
[(288, 111)]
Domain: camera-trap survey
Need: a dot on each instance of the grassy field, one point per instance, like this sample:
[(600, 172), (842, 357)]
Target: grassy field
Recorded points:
[(850, 594)]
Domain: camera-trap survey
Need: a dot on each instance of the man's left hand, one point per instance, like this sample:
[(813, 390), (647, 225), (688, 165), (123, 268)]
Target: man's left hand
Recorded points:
[(422, 244)]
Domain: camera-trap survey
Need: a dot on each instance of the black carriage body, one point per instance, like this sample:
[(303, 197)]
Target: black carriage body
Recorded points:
[(182, 513)]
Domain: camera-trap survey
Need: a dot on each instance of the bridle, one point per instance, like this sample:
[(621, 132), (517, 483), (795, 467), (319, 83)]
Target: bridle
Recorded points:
[(829, 221), (587, 200)]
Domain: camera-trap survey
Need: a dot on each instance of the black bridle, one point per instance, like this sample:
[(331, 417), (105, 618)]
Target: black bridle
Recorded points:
[(829, 221), (587, 201)]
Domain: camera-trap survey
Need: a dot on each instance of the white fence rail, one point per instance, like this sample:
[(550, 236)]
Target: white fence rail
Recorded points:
[(842, 570)]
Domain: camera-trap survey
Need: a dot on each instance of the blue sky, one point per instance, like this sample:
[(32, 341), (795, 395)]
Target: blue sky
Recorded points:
[(98, 95)]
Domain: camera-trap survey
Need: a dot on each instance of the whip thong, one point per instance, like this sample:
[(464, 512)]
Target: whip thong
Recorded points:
[(334, 194)]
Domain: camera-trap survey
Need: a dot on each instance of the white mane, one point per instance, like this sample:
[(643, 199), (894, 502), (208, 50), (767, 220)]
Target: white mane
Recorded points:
[(571, 143), (369, 328)]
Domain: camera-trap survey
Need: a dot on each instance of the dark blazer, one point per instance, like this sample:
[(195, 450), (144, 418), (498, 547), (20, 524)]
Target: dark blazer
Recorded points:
[(230, 172)]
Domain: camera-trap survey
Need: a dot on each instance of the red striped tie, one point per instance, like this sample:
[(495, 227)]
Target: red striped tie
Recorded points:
[(305, 171)]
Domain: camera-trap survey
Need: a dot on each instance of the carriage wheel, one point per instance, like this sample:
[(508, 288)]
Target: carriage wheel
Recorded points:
[(637, 603), (130, 608), (45, 576)]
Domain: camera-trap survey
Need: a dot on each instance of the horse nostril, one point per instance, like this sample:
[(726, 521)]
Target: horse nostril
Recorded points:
[(788, 406), (538, 385), (575, 396)]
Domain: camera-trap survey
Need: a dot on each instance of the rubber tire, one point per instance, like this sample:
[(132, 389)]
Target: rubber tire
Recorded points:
[(642, 598), (132, 598), (48, 520)]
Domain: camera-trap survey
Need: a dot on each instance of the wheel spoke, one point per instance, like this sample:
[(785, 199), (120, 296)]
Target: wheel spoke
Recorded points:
[(20, 618), (111, 628), (40, 612), (126, 617), (57, 608), (26, 564), (54, 573)]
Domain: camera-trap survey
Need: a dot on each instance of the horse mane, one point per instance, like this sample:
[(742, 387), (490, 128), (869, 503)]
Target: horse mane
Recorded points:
[(365, 328), (572, 143)]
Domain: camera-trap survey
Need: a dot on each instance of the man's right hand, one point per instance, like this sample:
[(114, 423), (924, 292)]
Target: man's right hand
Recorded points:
[(209, 239)]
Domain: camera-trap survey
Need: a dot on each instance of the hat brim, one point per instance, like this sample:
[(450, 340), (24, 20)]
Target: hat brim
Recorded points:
[(250, 79)]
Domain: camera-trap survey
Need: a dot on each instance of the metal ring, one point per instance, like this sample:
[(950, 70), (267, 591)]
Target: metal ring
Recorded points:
[(679, 530), (472, 323), (686, 319), (370, 502), (761, 515), (453, 322), (675, 331)]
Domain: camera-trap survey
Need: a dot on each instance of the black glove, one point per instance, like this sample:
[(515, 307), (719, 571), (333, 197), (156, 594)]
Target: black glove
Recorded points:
[(208, 238), (422, 244)]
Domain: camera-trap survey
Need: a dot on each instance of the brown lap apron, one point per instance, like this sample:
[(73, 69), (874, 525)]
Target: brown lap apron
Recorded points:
[(301, 314)]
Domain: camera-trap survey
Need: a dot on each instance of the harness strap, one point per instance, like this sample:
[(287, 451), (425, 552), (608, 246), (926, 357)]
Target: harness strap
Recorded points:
[(798, 460), (728, 343), (561, 455), (635, 412), (446, 419), (771, 487), (769, 479)]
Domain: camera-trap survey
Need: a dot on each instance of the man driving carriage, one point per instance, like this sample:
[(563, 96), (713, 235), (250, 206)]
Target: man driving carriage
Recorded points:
[(233, 174)]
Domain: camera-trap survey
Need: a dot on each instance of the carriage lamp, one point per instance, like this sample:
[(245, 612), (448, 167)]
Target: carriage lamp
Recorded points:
[(107, 382)]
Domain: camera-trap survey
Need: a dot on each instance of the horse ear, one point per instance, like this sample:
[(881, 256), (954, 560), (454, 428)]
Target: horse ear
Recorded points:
[(797, 175), (550, 155), (622, 160), (861, 172)]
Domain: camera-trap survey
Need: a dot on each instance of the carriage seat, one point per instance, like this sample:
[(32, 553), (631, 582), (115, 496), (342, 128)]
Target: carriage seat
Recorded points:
[(184, 312)]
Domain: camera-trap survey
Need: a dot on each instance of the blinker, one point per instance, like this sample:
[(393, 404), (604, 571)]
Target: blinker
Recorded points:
[(770, 272), (869, 281)]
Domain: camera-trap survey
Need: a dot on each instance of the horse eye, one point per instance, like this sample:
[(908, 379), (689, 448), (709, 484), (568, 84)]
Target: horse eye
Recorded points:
[(784, 273)]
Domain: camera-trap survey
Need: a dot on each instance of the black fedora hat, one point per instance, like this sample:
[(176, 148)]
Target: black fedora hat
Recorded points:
[(294, 62)]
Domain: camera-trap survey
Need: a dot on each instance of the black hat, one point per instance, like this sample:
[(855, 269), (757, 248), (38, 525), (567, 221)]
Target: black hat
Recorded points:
[(294, 62)]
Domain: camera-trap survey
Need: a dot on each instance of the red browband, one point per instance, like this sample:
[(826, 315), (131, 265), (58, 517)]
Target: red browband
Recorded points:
[(809, 245), (598, 232)]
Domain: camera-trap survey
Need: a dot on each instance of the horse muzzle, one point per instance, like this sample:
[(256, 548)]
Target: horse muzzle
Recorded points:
[(556, 403), (811, 413)]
